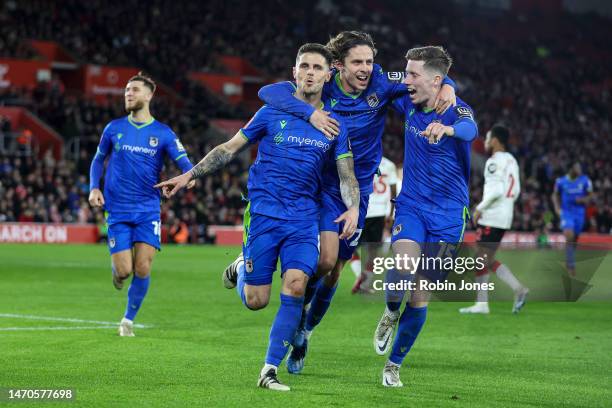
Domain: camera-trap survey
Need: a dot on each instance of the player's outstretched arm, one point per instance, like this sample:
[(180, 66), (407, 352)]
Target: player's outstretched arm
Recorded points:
[(216, 159), (349, 189), (280, 96)]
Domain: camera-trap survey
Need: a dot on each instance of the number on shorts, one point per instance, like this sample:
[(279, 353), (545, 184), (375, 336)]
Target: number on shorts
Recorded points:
[(156, 228), (446, 250), (355, 241)]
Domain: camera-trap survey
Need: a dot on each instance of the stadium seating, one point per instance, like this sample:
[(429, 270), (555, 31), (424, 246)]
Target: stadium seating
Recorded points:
[(549, 81)]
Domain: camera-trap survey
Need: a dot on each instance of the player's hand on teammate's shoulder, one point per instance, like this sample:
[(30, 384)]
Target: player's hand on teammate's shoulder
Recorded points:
[(435, 131), (445, 99), (350, 218), (96, 198), (172, 186), (321, 120)]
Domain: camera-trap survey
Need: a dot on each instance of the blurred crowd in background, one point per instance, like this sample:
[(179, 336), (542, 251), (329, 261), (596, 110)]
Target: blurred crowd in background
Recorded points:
[(545, 76)]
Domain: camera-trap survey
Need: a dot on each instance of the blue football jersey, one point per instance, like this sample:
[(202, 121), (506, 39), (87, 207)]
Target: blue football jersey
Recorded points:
[(436, 176), (570, 190), (365, 115), (285, 179), (137, 152)]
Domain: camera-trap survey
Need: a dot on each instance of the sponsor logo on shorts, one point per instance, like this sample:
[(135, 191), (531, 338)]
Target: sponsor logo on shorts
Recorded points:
[(248, 265), (397, 229), (111, 242)]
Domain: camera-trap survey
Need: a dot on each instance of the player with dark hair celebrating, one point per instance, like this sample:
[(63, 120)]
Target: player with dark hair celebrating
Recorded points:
[(135, 146), (493, 216), (282, 217)]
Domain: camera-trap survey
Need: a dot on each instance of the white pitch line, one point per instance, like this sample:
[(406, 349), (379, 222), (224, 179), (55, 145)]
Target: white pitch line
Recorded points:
[(56, 328), (64, 319)]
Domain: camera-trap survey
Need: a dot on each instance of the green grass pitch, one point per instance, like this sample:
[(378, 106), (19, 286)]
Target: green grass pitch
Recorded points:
[(203, 348)]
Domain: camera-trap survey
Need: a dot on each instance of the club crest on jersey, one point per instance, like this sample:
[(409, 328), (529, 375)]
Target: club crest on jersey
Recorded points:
[(397, 229), (491, 168), (153, 141), (111, 242), (248, 265), (373, 100)]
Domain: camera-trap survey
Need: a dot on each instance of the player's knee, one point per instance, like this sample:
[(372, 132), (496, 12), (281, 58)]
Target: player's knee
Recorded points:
[(256, 301), (122, 269), (142, 268), (418, 303), (295, 287), (327, 261), (331, 279)]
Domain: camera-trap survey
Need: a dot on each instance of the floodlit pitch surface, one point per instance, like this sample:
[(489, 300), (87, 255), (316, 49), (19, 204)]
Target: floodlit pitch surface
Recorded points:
[(200, 347)]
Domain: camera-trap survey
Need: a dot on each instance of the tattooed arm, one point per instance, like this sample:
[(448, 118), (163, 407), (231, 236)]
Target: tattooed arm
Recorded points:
[(216, 159), (349, 189)]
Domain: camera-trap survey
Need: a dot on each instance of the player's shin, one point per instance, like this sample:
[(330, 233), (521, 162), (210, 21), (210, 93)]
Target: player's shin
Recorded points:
[(319, 305), (394, 296), (311, 289), (410, 325), (570, 255), (136, 294), (482, 277), (284, 328)]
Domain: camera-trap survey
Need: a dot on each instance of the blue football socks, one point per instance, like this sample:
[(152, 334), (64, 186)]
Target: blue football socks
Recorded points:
[(319, 305), (410, 324), (136, 294), (284, 328)]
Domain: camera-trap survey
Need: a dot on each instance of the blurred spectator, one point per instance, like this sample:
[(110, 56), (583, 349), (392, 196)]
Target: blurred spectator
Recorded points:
[(547, 76)]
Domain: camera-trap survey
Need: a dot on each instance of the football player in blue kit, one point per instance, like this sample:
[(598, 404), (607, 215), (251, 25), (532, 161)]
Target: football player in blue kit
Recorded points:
[(282, 217), (135, 146), (571, 195), (359, 92), (432, 207)]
